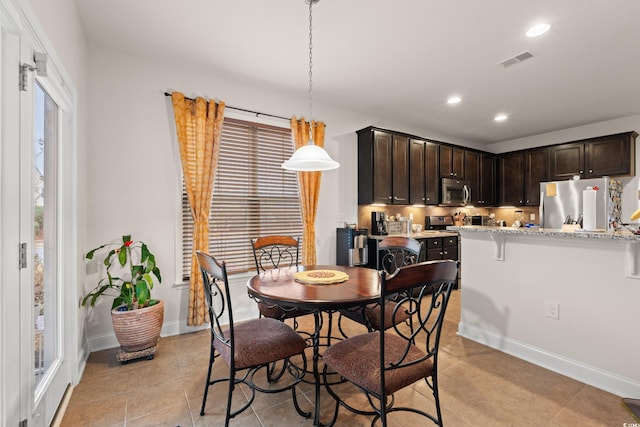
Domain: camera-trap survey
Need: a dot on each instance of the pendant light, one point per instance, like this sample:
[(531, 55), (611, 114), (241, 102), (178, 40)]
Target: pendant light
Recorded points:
[(310, 157)]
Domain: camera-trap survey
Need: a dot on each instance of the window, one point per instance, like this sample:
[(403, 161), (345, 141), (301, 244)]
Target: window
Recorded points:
[(252, 196)]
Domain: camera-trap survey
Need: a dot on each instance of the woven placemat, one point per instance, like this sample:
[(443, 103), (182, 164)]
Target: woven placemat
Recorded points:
[(321, 277)]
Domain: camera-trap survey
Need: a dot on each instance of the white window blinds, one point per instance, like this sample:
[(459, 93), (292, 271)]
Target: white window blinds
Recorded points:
[(252, 196)]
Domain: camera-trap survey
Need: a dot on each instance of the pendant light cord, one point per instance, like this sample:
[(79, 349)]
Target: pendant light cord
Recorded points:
[(310, 72)]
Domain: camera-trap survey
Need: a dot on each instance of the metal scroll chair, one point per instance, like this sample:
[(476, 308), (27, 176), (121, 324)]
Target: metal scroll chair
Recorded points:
[(270, 252), (396, 252), (379, 374), (248, 346)]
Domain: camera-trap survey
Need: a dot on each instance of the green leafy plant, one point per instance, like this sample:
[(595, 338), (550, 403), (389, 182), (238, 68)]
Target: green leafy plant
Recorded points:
[(133, 288)]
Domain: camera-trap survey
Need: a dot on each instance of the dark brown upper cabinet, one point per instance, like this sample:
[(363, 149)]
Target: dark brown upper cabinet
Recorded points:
[(480, 171), (472, 166), (417, 175), (536, 166), (612, 155), (488, 181), (566, 160), (423, 172), (512, 178), (432, 173), (451, 162), (383, 167)]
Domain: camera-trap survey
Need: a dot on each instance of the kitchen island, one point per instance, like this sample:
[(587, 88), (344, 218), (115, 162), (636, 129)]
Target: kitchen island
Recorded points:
[(567, 301)]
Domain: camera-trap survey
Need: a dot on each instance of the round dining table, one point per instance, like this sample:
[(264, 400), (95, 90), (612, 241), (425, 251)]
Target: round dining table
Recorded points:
[(280, 288)]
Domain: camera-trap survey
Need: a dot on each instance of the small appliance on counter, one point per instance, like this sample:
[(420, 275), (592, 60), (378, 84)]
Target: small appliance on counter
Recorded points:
[(437, 222), (484, 220), (351, 246), (379, 223)]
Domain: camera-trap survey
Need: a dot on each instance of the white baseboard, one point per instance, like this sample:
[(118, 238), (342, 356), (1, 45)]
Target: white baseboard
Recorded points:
[(598, 378), (106, 341)]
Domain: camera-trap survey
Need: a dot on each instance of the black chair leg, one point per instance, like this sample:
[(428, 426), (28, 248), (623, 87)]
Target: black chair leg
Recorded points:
[(232, 384), (208, 383)]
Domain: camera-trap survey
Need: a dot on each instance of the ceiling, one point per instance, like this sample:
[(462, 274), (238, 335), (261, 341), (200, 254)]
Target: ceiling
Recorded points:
[(401, 59)]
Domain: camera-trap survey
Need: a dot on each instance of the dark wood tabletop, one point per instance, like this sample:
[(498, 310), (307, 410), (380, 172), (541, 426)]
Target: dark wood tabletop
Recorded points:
[(279, 287)]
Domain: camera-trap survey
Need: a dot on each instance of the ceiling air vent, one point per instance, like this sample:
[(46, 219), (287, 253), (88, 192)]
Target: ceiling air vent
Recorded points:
[(516, 59)]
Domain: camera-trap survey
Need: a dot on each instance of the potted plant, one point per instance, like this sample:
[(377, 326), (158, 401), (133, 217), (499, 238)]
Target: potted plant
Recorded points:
[(130, 273)]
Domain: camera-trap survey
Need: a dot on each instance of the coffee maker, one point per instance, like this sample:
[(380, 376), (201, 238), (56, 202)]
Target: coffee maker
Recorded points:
[(379, 223)]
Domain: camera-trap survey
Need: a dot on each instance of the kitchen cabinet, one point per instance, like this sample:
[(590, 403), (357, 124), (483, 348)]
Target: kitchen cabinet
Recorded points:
[(512, 178), (423, 172), (612, 155), (451, 162), (480, 171), (432, 173), (536, 166), (566, 160), (472, 166), (383, 167), (417, 174), (441, 248), (488, 182)]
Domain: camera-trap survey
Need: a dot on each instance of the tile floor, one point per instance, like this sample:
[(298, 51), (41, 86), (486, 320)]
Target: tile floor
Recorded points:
[(479, 386)]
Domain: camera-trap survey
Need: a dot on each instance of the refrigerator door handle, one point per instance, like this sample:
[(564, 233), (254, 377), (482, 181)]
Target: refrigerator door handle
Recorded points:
[(541, 210)]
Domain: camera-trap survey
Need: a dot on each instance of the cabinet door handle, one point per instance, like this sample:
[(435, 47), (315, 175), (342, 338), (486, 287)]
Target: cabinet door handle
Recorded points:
[(590, 170), (581, 172)]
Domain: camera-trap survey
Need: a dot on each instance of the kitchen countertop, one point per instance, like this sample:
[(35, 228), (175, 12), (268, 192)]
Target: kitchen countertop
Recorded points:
[(549, 232), (429, 234)]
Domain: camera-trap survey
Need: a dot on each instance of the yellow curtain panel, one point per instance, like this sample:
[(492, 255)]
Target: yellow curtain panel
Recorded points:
[(198, 125), (309, 187)]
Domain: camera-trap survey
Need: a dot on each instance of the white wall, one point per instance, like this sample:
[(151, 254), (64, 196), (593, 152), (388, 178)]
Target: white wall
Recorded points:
[(504, 304)]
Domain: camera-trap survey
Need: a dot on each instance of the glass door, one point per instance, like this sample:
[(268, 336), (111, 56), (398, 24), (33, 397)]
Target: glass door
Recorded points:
[(45, 330)]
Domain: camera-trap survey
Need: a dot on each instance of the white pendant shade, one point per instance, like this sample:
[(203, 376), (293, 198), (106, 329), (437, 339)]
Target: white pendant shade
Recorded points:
[(310, 157)]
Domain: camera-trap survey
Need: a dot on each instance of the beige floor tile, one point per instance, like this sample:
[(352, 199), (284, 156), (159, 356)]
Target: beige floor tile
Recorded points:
[(479, 386), (593, 407), (177, 414)]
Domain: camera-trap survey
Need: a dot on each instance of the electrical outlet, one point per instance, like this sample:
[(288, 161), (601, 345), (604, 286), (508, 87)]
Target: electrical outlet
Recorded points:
[(552, 310), (532, 217)]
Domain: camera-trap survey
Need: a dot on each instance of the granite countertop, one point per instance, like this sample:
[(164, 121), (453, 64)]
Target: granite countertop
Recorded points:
[(549, 232), (422, 235)]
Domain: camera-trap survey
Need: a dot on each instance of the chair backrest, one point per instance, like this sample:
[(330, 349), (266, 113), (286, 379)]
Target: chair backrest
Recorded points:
[(271, 252), (414, 283), (398, 251), (216, 293)]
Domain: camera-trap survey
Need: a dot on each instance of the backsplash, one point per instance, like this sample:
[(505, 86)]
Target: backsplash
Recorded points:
[(508, 215)]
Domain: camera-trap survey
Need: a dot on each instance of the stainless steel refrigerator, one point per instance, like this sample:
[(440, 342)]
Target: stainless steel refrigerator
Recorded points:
[(561, 202)]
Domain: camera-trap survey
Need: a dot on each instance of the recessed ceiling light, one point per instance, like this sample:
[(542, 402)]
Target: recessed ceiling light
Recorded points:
[(454, 100), (538, 30), (500, 117)]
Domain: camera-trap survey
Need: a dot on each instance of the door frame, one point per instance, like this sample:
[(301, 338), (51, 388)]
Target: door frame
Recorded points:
[(17, 403)]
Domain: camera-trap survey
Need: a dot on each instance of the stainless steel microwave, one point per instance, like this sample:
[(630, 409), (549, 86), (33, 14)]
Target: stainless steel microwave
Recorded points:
[(455, 192)]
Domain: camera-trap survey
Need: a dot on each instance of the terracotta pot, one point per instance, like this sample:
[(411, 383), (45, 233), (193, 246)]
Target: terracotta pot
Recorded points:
[(138, 329)]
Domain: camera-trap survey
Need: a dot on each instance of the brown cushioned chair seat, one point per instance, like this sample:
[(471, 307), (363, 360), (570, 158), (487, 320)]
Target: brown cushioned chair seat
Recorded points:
[(358, 360), (372, 312), (261, 341)]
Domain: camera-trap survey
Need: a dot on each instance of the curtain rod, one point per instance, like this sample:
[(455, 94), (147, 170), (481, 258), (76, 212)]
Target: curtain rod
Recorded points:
[(257, 113)]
